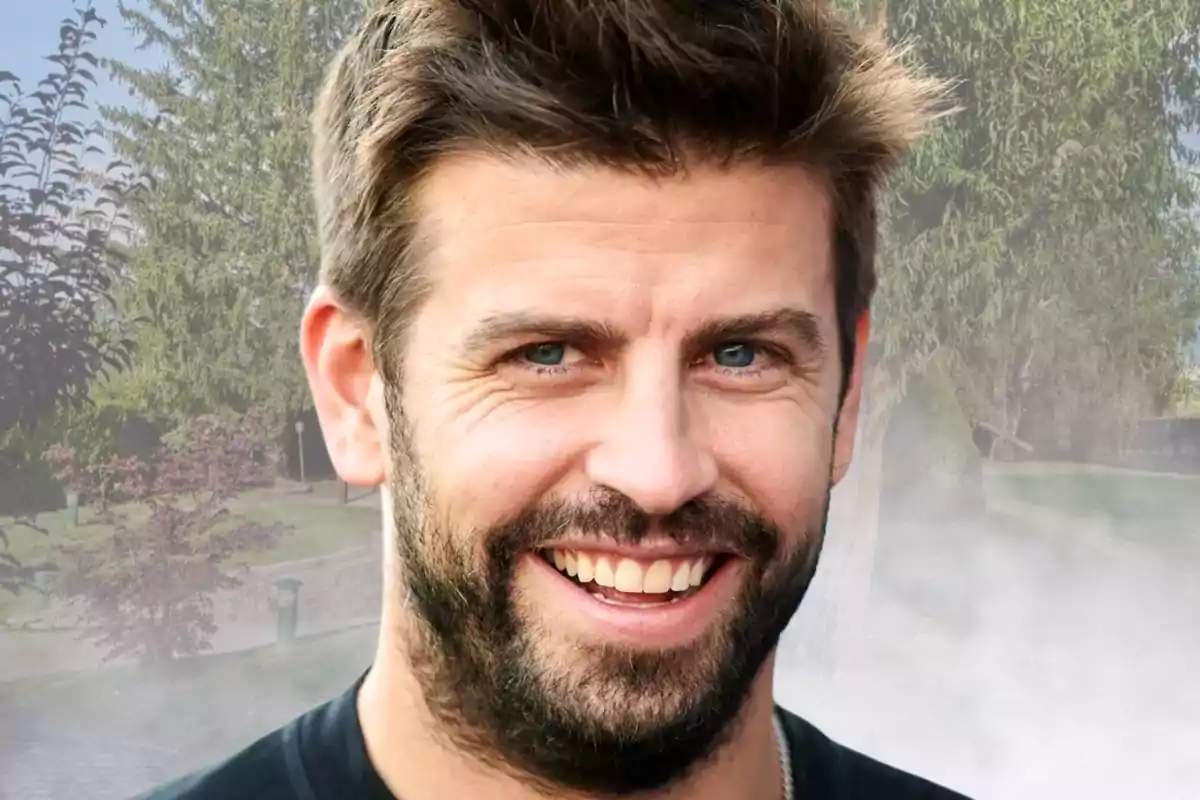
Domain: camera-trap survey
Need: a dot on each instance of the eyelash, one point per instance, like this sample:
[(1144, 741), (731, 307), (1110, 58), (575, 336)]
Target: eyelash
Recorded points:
[(778, 356), (514, 359)]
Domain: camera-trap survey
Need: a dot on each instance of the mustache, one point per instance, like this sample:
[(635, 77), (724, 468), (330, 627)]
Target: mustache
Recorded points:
[(705, 523)]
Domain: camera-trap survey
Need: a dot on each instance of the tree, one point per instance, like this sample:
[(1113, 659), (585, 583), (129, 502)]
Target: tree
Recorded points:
[(1038, 243), (229, 248), (62, 229), (148, 586), (1044, 236)]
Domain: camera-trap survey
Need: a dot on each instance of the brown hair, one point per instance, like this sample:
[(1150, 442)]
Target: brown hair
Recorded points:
[(647, 85)]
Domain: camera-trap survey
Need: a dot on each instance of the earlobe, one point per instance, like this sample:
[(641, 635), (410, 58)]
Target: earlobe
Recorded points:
[(335, 349), (847, 428)]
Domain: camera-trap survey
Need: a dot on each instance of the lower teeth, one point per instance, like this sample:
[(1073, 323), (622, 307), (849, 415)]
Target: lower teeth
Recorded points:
[(613, 602)]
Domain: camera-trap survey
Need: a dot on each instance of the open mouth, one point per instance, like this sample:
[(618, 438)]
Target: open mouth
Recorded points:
[(621, 580)]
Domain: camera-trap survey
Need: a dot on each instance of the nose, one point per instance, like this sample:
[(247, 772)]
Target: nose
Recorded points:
[(649, 451)]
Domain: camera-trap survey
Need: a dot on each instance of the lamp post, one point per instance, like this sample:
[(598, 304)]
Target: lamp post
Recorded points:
[(300, 446)]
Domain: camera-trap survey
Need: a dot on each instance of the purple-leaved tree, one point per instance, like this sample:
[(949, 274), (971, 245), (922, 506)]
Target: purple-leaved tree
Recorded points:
[(148, 585)]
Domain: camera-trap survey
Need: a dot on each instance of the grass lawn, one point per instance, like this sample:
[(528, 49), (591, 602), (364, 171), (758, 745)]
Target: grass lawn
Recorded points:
[(1125, 496), (200, 708), (317, 528), (319, 525)]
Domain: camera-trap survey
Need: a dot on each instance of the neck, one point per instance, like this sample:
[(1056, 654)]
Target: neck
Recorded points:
[(418, 764)]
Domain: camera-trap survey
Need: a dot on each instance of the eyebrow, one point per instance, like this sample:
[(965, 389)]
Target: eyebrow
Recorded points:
[(796, 323), (510, 326)]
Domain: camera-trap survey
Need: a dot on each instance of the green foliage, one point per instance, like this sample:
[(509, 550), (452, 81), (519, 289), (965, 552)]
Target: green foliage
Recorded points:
[(27, 487), (1044, 234), (1186, 396), (228, 251), (932, 469), (950, 429), (97, 434), (61, 226)]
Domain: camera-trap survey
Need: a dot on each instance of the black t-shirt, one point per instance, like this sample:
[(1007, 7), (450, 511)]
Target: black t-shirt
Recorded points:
[(321, 756)]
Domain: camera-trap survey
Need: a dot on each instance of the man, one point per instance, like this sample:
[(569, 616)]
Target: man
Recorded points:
[(593, 312)]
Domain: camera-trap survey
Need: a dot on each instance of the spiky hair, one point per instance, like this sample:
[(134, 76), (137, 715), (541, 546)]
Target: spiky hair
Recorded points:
[(648, 85)]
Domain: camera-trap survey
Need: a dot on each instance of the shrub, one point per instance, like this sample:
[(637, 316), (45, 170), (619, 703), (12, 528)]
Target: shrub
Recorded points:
[(148, 586)]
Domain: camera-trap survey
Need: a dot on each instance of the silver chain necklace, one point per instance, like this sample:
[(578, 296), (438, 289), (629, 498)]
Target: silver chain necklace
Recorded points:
[(785, 758)]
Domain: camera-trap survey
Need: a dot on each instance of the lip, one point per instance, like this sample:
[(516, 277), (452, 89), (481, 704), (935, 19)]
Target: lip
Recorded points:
[(662, 626)]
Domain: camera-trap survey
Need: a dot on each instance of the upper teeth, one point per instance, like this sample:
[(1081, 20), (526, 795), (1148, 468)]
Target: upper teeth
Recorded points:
[(631, 575)]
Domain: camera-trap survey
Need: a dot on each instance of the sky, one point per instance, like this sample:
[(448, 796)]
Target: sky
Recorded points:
[(29, 33)]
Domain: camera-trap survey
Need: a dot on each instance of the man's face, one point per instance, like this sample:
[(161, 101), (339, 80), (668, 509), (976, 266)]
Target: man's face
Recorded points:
[(612, 453)]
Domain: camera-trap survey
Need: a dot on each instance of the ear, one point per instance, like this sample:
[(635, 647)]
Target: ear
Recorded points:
[(335, 348), (843, 445)]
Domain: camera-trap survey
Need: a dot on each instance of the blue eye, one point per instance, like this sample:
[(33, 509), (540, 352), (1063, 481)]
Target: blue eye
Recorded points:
[(734, 356), (550, 354)]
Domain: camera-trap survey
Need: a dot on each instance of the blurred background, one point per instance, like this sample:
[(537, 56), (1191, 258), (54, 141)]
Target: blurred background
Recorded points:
[(1008, 598)]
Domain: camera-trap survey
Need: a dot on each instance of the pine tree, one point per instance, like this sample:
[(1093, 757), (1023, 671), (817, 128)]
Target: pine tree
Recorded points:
[(228, 249)]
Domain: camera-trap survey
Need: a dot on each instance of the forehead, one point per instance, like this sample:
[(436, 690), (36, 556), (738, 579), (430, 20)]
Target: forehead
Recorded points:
[(519, 232)]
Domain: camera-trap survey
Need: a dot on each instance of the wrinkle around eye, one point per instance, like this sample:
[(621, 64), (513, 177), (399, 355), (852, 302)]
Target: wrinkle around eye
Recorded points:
[(472, 399)]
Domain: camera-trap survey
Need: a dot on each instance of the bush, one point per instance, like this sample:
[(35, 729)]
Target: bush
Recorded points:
[(932, 468), (148, 586)]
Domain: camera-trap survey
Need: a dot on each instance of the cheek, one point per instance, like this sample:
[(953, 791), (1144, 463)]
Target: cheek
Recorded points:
[(779, 458), (500, 464)]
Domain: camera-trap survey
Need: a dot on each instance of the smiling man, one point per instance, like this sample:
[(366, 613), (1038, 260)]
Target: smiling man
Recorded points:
[(593, 312)]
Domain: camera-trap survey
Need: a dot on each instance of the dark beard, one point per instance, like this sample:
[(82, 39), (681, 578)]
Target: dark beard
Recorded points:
[(477, 661)]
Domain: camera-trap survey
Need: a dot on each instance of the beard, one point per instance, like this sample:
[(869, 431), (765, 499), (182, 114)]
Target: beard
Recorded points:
[(507, 690)]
